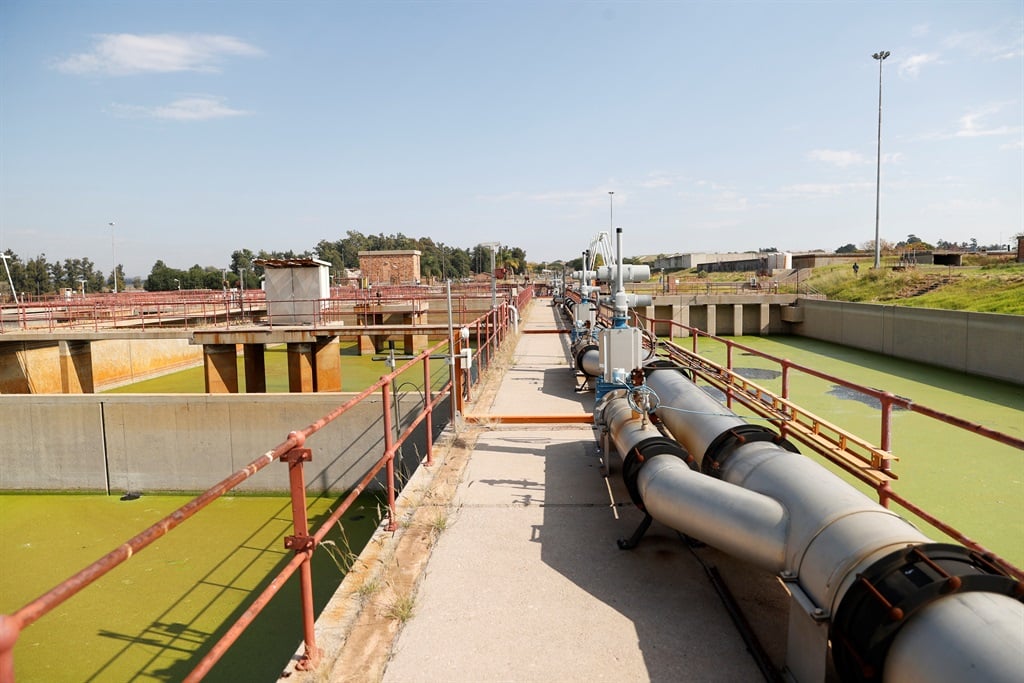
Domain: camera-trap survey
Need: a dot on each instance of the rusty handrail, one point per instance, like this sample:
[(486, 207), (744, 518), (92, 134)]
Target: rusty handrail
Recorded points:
[(291, 449)]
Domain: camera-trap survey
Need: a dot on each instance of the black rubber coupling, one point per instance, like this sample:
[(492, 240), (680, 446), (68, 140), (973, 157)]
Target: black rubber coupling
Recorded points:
[(729, 440), (884, 597), (641, 453)]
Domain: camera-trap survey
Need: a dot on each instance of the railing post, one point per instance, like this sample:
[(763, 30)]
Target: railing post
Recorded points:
[(457, 389), (302, 543), (10, 629), (728, 366), (428, 408), (886, 400), (389, 454)]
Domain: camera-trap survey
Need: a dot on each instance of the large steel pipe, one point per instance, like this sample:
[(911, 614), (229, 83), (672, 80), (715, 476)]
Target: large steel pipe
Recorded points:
[(843, 549), (966, 637), (692, 416), (742, 523)]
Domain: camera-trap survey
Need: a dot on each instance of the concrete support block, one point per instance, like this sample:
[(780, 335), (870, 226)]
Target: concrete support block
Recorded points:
[(328, 364), (367, 347), (682, 316), (255, 369), (712, 319), (765, 320), (663, 329), (415, 343), (737, 320), (76, 367), (300, 368), (220, 368)]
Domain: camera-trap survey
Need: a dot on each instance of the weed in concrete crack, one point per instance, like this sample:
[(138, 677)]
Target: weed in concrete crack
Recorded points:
[(401, 609)]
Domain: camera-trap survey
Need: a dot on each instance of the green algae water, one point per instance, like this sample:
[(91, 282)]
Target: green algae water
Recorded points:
[(357, 373), (971, 482), (155, 616)]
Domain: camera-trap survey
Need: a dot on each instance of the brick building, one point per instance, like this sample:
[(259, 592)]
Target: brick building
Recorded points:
[(392, 267)]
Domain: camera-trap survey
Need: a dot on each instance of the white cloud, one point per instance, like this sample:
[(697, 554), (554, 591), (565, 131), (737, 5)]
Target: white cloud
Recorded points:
[(911, 66), (841, 158), (920, 30), (973, 125), (192, 108), (124, 54), (989, 44), (815, 190)]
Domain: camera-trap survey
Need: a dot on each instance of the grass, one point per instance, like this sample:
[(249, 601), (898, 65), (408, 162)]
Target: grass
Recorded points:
[(982, 284), (402, 608), (996, 288)]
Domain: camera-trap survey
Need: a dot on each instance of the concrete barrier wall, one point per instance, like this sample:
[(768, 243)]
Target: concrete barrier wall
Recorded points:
[(34, 366), (161, 442), (985, 344)]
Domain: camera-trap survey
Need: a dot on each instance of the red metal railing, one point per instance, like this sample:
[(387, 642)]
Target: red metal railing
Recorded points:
[(197, 308), (862, 456), (293, 452)]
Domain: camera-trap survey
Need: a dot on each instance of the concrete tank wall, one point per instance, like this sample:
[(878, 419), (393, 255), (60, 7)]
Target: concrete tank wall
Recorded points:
[(985, 344), (162, 442), (33, 367)]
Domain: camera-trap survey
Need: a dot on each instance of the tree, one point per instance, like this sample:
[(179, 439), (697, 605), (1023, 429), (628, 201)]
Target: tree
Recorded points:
[(848, 248)]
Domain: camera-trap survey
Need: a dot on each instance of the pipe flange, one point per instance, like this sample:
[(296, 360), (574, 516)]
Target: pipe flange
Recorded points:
[(638, 457), (719, 450), (883, 598)]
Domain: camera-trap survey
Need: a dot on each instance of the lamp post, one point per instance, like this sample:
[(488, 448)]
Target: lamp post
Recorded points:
[(7, 267), (81, 284), (611, 212), (880, 56), (113, 254)]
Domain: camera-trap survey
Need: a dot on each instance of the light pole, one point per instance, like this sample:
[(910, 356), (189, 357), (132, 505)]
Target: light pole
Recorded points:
[(880, 56), (7, 267), (611, 212), (113, 254), (81, 283)]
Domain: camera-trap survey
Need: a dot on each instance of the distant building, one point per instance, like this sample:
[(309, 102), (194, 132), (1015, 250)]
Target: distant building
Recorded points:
[(742, 261), (390, 267)]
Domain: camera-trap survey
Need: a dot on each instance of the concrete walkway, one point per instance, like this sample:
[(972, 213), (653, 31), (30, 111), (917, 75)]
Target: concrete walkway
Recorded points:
[(526, 582)]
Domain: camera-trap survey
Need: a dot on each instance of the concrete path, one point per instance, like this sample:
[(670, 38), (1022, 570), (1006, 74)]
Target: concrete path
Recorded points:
[(526, 582)]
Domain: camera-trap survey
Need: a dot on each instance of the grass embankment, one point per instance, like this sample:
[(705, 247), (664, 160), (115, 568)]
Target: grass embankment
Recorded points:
[(987, 289), (994, 287)]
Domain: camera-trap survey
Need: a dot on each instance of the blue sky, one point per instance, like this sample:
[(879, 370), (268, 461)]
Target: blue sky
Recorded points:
[(200, 128)]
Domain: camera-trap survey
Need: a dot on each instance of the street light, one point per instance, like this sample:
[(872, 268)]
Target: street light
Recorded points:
[(113, 254), (7, 267), (880, 56), (611, 209)]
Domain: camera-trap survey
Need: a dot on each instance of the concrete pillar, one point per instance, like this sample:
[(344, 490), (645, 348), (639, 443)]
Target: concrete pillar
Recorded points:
[(712, 319), (220, 368), (76, 367), (255, 369), (682, 316), (367, 347), (737, 320), (300, 368), (663, 329), (413, 343), (765, 320), (328, 364)]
